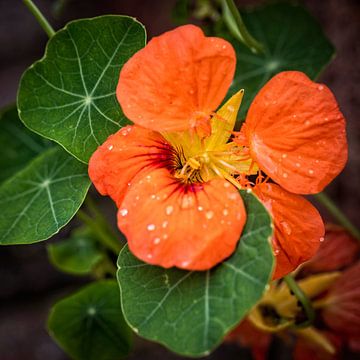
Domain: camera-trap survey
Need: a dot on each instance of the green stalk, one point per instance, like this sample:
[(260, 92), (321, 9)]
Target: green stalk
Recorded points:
[(236, 25), (304, 300), (338, 215), (107, 240), (40, 18)]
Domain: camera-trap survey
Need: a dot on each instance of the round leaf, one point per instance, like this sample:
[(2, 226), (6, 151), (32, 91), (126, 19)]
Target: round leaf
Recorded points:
[(89, 325), (69, 95), (42, 198), (19, 145), (77, 255), (191, 312), (292, 40)]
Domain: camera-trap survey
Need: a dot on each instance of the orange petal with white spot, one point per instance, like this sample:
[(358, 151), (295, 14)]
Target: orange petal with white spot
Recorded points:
[(298, 227), (296, 133), (125, 153), (192, 227), (178, 78)]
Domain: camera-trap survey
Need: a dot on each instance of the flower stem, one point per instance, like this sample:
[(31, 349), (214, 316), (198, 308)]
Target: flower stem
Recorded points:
[(338, 214), (107, 240), (40, 18), (304, 300), (236, 25)]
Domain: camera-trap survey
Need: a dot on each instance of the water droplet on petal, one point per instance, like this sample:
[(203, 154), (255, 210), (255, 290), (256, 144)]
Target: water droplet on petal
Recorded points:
[(209, 214), (231, 108), (110, 147), (322, 239), (284, 156), (123, 212), (286, 227), (276, 252), (157, 241), (226, 212), (165, 224), (285, 175), (311, 171), (149, 256), (169, 209), (227, 184), (151, 227), (200, 208), (185, 263), (321, 87)]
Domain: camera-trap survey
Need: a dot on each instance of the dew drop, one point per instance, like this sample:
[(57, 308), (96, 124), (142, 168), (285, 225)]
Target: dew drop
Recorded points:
[(165, 224), (227, 184), (209, 214), (232, 196), (153, 196), (151, 227), (276, 252), (110, 147), (149, 256), (185, 263), (123, 212), (286, 227), (285, 175), (226, 212), (231, 108), (249, 191), (187, 201), (307, 122), (298, 165), (284, 156), (322, 239), (165, 236), (169, 209), (321, 87), (157, 241), (200, 208), (311, 171)]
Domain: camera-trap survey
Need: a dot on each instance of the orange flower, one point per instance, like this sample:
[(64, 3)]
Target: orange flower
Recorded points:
[(174, 174), (295, 133)]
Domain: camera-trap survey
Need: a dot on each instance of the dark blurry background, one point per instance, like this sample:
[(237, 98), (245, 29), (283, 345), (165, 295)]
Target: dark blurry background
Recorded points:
[(28, 284)]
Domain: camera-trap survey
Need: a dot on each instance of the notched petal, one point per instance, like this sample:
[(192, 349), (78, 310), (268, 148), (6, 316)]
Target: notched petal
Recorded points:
[(296, 133), (192, 227)]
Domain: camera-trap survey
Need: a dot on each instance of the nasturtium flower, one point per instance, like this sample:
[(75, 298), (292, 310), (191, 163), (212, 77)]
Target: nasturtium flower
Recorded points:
[(176, 172)]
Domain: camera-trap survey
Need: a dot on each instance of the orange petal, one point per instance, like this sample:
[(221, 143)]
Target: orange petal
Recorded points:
[(179, 77), (298, 227), (338, 250), (296, 133), (192, 227), (342, 312), (123, 155)]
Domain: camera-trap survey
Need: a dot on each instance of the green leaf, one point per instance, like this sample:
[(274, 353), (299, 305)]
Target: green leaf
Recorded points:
[(42, 198), (191, 312), (18, 144), (77, 255), (292, 40), (69, 95), (89, 325)]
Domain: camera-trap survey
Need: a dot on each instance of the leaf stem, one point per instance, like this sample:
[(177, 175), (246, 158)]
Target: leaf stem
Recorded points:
[(304, 300), (40, 18), (338, 214), (109, 241), (237, 27)]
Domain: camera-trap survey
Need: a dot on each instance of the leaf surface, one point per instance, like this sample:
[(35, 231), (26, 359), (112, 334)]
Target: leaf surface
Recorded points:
[(89, 324), (69, 95), (42, 198), (191, 312)]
